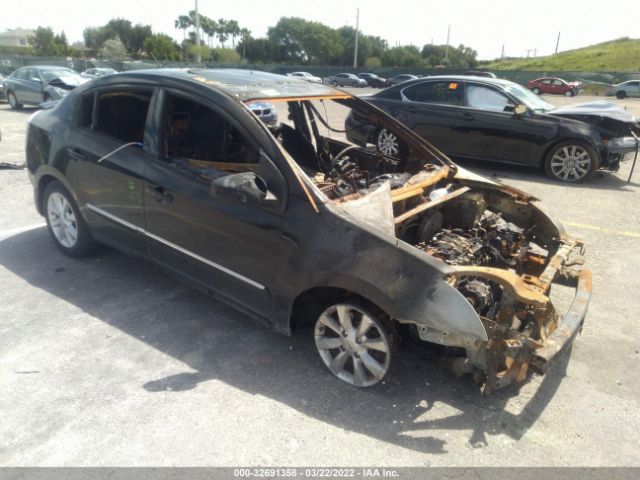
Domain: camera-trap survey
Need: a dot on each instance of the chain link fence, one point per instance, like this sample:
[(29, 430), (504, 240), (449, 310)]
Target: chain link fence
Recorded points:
[(9, 63)]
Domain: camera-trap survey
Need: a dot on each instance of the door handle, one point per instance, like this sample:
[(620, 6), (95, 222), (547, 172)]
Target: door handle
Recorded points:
[(75, 154), (160, 194), (468, 117)]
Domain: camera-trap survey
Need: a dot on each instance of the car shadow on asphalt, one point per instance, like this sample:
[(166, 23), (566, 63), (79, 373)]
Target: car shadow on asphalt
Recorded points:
[(415, 407), (602, 180)]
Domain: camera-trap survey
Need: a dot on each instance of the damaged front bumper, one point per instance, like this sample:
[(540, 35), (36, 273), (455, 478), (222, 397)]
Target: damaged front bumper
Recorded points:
[(527, 332)]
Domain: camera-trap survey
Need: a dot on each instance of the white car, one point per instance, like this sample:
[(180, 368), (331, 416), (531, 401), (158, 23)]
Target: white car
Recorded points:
[(305, 76)]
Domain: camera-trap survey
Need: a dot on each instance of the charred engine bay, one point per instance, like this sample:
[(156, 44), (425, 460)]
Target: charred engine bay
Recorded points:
[(440, 216)]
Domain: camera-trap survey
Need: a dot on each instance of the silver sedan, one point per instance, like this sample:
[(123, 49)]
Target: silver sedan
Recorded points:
[(630, 88)]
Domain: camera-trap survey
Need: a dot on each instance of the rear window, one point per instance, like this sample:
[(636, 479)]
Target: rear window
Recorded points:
[(85, 117), (122, 114)]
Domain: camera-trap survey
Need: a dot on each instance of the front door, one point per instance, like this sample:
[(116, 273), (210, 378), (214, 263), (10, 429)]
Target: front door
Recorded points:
[(489, 129), (225, 244)]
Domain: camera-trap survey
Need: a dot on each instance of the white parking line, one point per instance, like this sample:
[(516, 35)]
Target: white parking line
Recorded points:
[(15, 231)]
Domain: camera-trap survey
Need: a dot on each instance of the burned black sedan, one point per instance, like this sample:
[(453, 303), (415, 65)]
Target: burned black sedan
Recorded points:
[(295, 226)]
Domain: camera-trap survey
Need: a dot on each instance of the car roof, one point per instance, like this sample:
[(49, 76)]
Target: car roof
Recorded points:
[(462, 78), (245, 85)]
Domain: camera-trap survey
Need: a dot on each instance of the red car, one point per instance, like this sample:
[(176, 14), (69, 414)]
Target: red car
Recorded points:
[(553, 85)]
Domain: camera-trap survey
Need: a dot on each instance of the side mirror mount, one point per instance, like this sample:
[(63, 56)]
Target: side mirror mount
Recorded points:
[(520, 109), (244, 187)]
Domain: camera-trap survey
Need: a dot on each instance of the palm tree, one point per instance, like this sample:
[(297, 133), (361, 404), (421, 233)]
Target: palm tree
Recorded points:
[(210, 27), (233, 29), (182, 23), (245, 35), (223, 32)]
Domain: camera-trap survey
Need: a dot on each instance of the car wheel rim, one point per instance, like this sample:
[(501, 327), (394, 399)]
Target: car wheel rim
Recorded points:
[(62, 220), (571, 163), (567, 93), (388, 143), (353, 345)]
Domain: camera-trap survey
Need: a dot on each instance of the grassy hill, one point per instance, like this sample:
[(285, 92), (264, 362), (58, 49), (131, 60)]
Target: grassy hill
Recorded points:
[(621, 55)]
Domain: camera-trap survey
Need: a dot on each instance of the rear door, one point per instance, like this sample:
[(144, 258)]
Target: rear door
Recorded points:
[(432, 110), (30, 87), (107, 162), (225, 245)]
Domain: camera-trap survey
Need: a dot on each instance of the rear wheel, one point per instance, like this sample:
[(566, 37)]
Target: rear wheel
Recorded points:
[(621, 94), (13, 101), (571, 161), (66, 227), (354, 343), (536, 90)]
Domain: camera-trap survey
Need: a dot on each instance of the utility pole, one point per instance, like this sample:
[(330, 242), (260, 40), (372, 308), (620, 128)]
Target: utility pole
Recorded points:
[(446, 51), (198, 56), (355, 50), (502, 54), (535, 52), (557, 42)]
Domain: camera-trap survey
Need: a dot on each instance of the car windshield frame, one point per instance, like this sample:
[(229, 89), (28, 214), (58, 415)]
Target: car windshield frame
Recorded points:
[(528, 98)]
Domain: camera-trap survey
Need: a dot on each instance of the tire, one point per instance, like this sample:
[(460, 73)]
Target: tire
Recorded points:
[(47, 97), (64, 222), (621, 94), (335, 84), (13, 100), (569, 93), (355, 344), (388, 144), (571, 161), (536, 90)]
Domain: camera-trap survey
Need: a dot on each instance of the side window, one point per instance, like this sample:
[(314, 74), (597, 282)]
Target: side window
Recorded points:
[(122, 114), (546, 81), (446, 93), (20, 74), (557, 82), (484, 98), (31, 74), (85, 116), (201, 141)]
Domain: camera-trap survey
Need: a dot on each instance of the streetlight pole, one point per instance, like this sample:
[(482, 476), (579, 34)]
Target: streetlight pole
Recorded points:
[(355, 50), (198, 56), (446, 51)]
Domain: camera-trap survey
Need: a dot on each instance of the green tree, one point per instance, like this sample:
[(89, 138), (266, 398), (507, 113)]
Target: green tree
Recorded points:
[(46, 43), (113, 49), (161, 47), (245, 36), (181, 23), (233, 29), (307, 42), (372, 62), (228, 56)]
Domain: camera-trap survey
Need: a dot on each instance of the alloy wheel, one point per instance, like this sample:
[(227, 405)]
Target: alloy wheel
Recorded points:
[(62, 220), (353, 344), (388, 143), (571, 163)]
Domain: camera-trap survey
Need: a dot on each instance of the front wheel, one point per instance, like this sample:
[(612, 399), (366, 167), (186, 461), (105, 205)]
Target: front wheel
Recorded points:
[(334, 83), (66, 227), (536, 91), (13, 101), (571, 161), (569, 93), (354, 344), (388, 143)]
